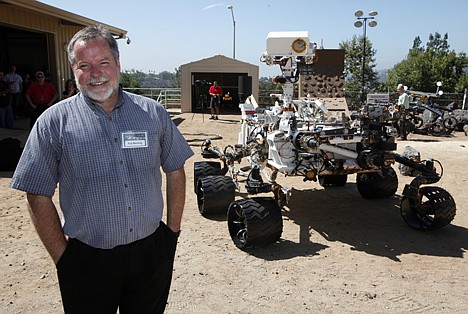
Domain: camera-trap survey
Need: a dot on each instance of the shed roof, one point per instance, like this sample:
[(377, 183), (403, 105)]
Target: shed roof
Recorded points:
[(219, 59)]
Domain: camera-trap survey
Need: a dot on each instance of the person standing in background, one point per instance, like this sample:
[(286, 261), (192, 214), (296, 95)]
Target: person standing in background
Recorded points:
[(26, 107), (40, 96), (215, 92), (403, 106), (16, 88), (70, 89), (6, 112)]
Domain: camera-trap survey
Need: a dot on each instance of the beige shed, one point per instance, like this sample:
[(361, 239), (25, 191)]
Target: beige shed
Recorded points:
[(237, 79)]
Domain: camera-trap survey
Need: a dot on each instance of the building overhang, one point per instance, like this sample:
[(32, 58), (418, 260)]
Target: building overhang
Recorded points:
[(65, 17)]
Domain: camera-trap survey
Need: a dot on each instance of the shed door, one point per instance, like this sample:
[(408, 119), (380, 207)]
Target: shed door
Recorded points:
[(24, 49), (201, 82)]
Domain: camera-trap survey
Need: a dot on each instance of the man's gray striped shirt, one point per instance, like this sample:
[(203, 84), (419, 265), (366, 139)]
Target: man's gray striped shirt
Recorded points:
[(107, 166)]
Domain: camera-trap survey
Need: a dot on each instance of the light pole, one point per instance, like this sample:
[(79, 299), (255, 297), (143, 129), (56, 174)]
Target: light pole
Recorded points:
[(360, 23), (230, 7)]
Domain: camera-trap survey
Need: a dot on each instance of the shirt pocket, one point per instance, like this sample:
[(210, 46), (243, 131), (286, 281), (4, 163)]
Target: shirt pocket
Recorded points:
[(90, 156), (143, 158)]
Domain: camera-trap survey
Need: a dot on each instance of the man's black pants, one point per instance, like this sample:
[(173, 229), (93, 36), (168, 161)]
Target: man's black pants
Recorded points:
[(135, 278)]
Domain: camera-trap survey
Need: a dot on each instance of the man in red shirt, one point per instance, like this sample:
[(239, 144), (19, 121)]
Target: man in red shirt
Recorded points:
[(40, 96), (215, 93)]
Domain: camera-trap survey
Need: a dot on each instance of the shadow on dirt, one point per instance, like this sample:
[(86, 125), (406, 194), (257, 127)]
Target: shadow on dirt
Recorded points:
[(227, 121), (196, 139), (421, 140), (6, 174), (178, 120), (372, 226)]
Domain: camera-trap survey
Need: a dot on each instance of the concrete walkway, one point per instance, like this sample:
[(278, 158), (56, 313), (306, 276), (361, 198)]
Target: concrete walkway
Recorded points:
[(20, 130)]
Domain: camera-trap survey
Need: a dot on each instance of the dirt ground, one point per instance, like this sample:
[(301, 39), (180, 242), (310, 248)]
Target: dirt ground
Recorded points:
[(338, 252)]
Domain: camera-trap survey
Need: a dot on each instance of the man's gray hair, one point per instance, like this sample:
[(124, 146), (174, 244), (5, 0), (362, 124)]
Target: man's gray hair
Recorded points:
[(94, 32)]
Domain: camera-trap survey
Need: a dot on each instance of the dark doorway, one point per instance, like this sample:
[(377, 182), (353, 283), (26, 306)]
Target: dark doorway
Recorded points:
[(229, 82), (25, 49)]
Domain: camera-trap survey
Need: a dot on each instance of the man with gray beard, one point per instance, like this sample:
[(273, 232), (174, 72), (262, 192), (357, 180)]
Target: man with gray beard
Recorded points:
[(106, 148)]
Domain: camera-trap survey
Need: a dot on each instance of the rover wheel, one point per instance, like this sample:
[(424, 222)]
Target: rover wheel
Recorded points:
[(205, 168), (374, 185), (418, 122), (460, 126), (254, 222), (436, 208), (436, 129), (333, 180), (214, 194), (450, 123)]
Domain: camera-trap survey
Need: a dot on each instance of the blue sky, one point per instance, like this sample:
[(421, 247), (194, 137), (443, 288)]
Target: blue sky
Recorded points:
[(166, 34)]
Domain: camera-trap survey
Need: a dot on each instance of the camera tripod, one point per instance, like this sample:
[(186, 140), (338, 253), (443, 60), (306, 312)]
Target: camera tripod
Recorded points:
[(202, 98)]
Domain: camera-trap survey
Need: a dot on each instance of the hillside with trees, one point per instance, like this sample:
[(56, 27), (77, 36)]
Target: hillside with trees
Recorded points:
[(423, 66), (434, 62), (139, 79)]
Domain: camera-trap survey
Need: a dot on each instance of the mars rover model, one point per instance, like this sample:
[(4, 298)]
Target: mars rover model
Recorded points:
[(434, 120), (311, 139)]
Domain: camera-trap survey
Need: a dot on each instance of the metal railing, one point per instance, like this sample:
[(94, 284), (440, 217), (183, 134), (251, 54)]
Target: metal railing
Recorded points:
[(453, 99), (171, 97), (167, 97)]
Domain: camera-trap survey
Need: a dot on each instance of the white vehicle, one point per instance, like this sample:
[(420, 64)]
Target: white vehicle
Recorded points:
[(305, 138)]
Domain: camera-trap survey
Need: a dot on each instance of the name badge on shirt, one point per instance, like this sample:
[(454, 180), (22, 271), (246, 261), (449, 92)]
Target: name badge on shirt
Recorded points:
[(134, 139)]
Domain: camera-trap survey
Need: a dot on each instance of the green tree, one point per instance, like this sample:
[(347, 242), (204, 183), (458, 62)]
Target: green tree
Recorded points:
[(138, 79), (462, 83), (129, 79), (353, 65), (266, 84), (177, 77), (424, 66)]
